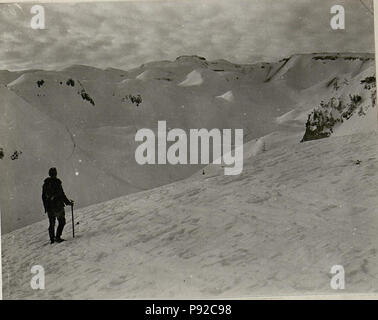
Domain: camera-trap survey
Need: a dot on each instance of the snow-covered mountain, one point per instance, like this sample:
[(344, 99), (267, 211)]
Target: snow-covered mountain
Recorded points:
[(83, 119)]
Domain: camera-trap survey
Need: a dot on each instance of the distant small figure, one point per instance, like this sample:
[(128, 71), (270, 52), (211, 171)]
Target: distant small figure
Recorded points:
[(54, 200), (358, 162)]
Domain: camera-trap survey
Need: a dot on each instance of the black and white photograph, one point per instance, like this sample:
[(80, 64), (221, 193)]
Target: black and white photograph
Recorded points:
[(188, 149)]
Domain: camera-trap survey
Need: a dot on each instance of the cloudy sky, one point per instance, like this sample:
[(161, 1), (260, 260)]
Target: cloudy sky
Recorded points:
[(125, 35)]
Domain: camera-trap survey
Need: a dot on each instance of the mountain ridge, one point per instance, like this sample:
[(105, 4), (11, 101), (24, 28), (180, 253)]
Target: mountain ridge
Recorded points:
[(326, 53)]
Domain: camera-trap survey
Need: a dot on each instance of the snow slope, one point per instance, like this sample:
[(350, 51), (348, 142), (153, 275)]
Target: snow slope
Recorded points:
[(23, 128), (278, 228)]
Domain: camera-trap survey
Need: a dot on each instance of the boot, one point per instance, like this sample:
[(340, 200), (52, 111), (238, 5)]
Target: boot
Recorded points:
[(59, 240)]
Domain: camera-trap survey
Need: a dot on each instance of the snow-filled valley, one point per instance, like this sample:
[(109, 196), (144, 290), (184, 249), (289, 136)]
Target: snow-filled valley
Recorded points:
[(83, 120)]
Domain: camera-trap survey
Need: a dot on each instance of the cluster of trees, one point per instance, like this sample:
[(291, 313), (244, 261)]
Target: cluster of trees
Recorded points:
[(70, 82), (369, 82), (14, 156), (134, 99), (86, 97)]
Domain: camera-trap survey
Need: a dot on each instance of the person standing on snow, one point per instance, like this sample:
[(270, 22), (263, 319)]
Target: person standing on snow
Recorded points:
[(54, 200)]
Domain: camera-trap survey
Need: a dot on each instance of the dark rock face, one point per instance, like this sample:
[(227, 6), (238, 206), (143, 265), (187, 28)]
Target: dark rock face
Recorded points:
[(322, 121)]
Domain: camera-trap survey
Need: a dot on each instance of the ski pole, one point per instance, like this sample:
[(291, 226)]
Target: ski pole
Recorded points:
[(73, 223)]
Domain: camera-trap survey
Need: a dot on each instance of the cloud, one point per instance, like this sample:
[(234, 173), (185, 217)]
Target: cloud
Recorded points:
[(125, 35)]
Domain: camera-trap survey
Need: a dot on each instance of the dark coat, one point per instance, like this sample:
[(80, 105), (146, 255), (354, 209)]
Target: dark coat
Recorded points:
[(53, 196)]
